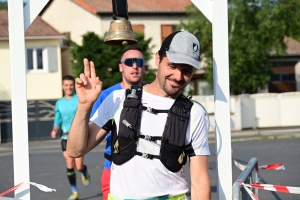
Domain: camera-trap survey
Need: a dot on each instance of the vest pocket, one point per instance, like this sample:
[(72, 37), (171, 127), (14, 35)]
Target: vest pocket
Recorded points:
[(173, 157), (123, 150)]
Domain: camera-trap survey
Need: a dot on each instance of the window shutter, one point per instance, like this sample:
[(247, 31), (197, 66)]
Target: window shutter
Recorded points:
[(50, 58), (138, 28), (166, 30)]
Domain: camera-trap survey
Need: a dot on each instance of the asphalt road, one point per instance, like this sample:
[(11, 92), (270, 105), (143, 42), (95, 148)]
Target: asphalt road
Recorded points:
[(268, 152), (47, 167)]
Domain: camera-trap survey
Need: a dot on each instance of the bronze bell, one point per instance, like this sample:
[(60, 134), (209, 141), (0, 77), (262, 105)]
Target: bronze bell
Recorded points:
[(120, 33)]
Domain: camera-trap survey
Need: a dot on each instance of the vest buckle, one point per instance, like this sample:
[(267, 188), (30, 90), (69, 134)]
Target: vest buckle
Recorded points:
[(147, 137), (149, 110), (145, 155)]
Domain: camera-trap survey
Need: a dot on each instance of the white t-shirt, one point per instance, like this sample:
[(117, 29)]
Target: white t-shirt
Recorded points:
[(142, 178)]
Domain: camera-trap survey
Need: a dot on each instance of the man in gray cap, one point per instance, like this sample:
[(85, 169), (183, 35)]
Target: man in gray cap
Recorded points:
[(154, 128)]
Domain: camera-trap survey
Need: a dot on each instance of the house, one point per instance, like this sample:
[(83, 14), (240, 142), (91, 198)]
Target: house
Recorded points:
[(44, 72), (155, 18), (286, 69), (43, 55)]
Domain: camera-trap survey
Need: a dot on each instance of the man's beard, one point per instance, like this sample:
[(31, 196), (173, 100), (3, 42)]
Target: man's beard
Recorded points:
[(173, 92)]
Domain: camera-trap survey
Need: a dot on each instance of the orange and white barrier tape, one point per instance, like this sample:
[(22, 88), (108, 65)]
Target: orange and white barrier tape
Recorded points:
[(39, 186), (264, 167), (251, 194), (272, 167), (275, 188)]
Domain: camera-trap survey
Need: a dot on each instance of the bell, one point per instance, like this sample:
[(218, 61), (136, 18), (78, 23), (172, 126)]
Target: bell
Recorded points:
[(120, 33)]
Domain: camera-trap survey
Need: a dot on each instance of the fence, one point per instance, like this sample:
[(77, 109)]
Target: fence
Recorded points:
[(263, 110), (40, 119), (250, 176)]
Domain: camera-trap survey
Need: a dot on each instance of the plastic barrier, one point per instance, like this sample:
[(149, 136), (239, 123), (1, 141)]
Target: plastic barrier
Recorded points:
[(240, 187), (39, 186), (248, 176)]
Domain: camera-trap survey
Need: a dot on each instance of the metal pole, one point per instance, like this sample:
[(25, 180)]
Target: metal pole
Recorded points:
[(18, 23), (216, 12), (18, 98), (245, 177), (222, 99)]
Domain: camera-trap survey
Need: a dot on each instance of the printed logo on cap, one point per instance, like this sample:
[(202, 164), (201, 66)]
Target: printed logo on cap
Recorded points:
[(195, 47)]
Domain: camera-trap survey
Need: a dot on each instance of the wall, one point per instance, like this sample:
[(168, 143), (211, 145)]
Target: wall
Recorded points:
[(235, 110), (5, 71), (265, 110), (66, 62), (67, 16), (289, 108)]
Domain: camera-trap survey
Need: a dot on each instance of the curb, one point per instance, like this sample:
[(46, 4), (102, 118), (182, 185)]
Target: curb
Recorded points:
[(260, 137)]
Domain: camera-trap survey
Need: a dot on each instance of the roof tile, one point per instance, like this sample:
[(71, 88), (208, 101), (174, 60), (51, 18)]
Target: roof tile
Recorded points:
[(37, 28), (105, 6)]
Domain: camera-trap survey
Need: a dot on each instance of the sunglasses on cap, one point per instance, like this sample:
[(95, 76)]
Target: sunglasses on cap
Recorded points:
[(130, 61)]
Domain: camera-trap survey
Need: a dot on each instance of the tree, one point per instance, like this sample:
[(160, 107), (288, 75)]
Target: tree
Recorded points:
[(3, 5), (256, 31), (106, 58)]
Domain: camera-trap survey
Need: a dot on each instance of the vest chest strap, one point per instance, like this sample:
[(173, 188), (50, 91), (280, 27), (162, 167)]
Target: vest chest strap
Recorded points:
[(153, 111), (146, 155)]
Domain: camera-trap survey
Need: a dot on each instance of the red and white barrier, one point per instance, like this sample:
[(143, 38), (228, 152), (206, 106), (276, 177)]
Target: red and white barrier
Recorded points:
[(272, 167), (269, 187), (264, 167), (251, 194), (275, 188), (11, 189), (39, 186)]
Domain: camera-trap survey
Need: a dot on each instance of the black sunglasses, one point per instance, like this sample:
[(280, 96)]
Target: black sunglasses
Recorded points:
[(130, 61)]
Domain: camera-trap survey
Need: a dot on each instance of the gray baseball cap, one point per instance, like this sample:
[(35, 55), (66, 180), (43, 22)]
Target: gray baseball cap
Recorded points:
[(182, 47)]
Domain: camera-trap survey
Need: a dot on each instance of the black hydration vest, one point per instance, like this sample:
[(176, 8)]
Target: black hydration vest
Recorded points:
[(173, 151)]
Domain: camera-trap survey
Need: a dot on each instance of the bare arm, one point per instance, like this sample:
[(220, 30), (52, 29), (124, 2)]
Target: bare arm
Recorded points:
[(200, 182), (82, 144), (82, 136), (54, 131)]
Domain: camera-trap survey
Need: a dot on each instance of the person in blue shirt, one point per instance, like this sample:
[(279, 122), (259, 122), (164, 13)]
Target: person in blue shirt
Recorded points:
[(132, 67), (65, 109)]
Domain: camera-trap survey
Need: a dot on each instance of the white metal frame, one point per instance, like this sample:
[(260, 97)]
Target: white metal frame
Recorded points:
[(19, 20), (217, 13)]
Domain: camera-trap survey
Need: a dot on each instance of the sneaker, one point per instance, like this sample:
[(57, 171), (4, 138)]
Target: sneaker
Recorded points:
[(85, 179), (74, 196)]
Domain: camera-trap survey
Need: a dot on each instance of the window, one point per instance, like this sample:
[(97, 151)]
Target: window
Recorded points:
[(275, 77), (29, 59), (34, 59), (41, 59), (288, 77), (284, 77)]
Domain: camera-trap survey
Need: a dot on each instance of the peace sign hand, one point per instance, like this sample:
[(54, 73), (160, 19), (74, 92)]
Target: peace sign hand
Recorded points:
[(88, 86)]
